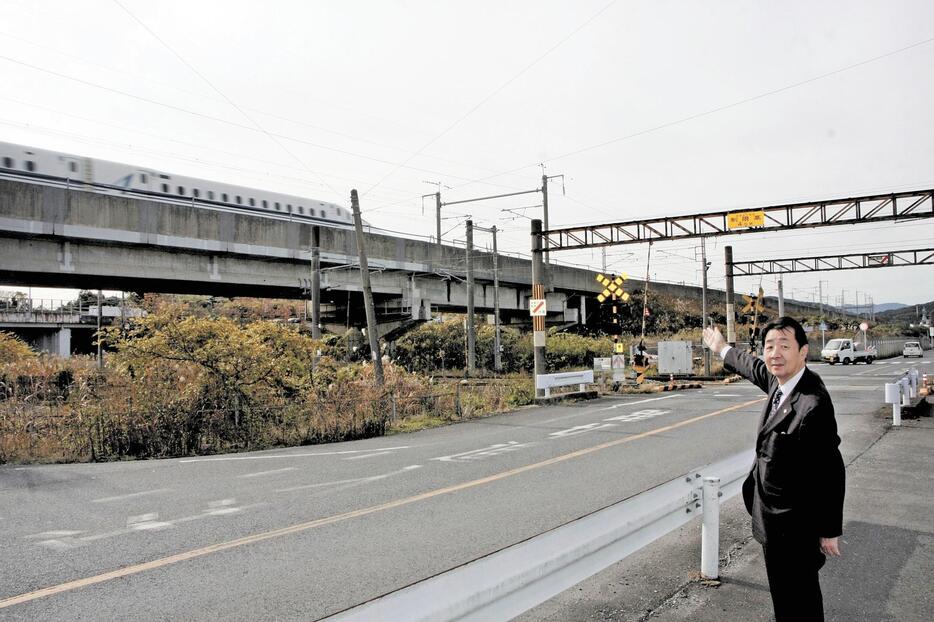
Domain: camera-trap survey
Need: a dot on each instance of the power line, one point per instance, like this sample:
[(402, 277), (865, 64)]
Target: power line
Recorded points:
[(495, 91), (242, 126), (713, 110), (166, 85)]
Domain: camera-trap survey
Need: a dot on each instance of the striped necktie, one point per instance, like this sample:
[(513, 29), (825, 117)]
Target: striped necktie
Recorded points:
[(775, 402)]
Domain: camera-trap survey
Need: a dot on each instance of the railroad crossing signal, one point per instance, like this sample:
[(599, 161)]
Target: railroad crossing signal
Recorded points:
[(612, 287), (754, 303)]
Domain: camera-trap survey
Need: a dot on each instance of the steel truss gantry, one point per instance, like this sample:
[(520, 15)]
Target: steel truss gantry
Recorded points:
[(898, 206), (850, 261)]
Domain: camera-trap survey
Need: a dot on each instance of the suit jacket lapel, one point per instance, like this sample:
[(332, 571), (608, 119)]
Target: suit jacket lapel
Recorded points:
[(788, 407)]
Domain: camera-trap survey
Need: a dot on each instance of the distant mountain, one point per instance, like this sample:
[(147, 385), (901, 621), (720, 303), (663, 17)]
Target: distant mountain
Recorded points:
[(889, 306), (906, 313)]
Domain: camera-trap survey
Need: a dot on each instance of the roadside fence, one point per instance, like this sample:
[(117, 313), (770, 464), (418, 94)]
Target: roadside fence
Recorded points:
[(504, 584)]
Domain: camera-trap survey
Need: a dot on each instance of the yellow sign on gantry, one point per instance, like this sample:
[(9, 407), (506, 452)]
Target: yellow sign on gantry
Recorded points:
[(742, 220)]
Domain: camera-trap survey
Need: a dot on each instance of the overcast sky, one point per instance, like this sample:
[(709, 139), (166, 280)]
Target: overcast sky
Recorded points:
[(648, 108)]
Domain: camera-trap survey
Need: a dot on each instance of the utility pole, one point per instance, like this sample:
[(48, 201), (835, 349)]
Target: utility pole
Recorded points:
[(545, 208), (316, 282), (100, 316), (781, 299), (471, 326), (438, 214), (372, 333), (820, 296), (538, 291), (704, 320), (497, 347), (730, 328)]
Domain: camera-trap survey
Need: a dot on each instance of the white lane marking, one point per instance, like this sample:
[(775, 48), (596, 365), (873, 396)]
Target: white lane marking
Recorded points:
[(357, 480), (581, 429), (625, 404), (639, 415), (146, 522), (222, 507), (479, 454), (261, 473), (727, 395), (55, 534), (59, 545), (131, 495), (66, 539), (279, 456)]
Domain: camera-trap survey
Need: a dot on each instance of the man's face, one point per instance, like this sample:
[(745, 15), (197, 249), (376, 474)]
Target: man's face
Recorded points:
[(783, 357)]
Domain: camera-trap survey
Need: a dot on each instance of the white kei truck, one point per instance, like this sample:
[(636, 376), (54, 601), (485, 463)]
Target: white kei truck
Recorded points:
[(846, 351)]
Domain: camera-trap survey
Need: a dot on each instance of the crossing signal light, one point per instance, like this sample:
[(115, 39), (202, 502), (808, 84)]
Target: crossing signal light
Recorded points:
[(612, 287)]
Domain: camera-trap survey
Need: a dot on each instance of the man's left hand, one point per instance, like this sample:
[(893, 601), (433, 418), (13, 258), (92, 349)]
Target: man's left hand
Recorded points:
[(830, 547)]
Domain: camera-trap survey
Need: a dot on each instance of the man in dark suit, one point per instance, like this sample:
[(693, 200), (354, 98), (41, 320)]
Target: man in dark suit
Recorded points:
[(794, 491)]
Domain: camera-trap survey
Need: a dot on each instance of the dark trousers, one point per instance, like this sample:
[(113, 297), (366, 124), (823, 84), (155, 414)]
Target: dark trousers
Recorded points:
[(792, 565)]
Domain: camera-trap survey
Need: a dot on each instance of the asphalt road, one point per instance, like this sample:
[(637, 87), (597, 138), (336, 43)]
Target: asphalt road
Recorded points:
[(302, 533)]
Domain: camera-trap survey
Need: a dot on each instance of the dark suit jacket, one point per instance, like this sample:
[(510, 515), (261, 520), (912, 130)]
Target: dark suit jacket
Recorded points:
[(796, 485)]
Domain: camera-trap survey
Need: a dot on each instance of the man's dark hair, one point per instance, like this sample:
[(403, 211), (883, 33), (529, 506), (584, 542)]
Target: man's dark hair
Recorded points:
[(786, 322)]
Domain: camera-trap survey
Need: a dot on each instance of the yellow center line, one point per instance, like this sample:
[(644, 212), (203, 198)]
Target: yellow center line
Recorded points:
[(276, 533)]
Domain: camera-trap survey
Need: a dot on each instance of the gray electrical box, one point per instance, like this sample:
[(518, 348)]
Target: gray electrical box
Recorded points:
[(674, 357)]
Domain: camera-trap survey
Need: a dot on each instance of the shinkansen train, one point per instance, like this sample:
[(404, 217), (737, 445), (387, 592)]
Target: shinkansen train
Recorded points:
[(40, 164)]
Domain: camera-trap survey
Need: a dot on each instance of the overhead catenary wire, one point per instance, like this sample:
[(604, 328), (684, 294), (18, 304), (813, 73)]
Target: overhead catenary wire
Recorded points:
[(166, 85), (495, 91)]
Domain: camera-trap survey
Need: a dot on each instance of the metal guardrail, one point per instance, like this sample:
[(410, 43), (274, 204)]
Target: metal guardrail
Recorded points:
[(504, 584)]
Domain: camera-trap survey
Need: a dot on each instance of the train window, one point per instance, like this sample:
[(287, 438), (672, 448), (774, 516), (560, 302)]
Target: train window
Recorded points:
[(210, 195), (301, 209), (224, 197), (143, 179), (338, 211), (165, 188), (290, 208), (195, 193), (324, 214), (252, 202), (73, 167), (7, 162), (311, 211), (239, 200), (181, 190), (265, 204), (30, 165), (163, 176)]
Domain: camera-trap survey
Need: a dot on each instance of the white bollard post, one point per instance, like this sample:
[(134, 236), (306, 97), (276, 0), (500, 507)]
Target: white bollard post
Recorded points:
[(906, 384), (893, 396), (710, 531)]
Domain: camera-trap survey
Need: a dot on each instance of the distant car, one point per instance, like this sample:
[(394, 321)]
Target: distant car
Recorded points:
[(912, 348)]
